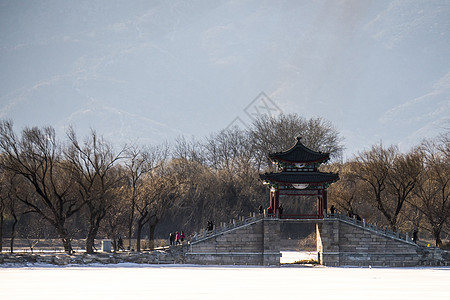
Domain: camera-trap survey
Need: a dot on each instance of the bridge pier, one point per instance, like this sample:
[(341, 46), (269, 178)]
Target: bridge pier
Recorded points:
[(343, 242), (327, 236), (271, 248), (254, 242)]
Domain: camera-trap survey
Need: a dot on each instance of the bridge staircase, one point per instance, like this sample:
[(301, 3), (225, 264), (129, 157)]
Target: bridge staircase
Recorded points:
[(248, 241), (225, 228)]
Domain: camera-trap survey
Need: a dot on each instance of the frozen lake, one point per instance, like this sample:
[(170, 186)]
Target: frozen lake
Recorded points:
[(127, 281), (289, 257)]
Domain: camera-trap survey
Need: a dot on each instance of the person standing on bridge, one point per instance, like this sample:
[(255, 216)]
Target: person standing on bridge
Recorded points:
[(171, 239), (178, 238), (332, 210), (120, 244)]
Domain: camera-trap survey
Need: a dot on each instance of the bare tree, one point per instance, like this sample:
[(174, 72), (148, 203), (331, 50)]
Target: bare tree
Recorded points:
[(11, 204), (230, 150), (189, 150), (391, 177), (271, 134), (164, 193), (139, 162), (374, 171), (36, 157), (347, 193), (432, 193), (2, 205), (117, 216), (93, 162), (403, 176), (158, 188)]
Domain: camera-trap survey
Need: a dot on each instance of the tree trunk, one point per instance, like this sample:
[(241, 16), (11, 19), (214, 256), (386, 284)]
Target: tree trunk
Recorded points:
[(393, 223), (1, 231), (437, 235), (151, 236), (130, 225), (141, 222), (138, 236), (67, 243), (65, 238), (92, 233), (90, 240), (13, 232)]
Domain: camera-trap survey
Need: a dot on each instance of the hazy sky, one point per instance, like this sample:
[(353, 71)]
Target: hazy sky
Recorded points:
[(149, 71)]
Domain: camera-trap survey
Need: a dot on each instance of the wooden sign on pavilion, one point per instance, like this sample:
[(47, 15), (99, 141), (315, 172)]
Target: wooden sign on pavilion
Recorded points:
[(299, 176)]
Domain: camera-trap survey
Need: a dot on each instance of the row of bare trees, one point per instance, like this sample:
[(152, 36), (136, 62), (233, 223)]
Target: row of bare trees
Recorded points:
[(408, 191), (74, 186), (88, 188), (81, 188)]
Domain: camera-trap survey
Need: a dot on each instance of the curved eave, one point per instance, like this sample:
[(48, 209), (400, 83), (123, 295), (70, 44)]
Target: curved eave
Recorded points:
[(301, 177), (299, 153), (297, 161)]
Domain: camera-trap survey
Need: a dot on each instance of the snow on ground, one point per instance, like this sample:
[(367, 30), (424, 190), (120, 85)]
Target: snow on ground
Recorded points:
[(289, 257), (128, 281)]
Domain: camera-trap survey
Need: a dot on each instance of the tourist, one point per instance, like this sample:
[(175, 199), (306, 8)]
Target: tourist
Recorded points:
[(210, 226), (332, 209), (171, 239), (182, 237), (261, 210), (120, 244), (177, 238)]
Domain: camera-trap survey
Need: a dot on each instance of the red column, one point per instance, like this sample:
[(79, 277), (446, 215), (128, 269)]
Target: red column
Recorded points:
[(325, 204), (319, 203), (272, 199), (277, 201)]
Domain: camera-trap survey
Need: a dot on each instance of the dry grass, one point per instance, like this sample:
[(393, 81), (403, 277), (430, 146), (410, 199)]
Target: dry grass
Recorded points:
[(306, 262), (309, 243)]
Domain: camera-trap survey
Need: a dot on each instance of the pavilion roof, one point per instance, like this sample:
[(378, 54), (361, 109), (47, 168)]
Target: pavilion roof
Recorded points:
[(299, 153), (300, 177)]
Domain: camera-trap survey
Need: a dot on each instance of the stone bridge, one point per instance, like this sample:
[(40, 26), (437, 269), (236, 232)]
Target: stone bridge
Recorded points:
[(341, 241)]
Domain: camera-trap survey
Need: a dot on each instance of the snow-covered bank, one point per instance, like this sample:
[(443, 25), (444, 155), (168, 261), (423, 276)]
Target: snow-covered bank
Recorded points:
[(216, 282)]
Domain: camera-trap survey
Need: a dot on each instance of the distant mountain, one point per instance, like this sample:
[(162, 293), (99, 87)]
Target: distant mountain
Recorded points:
[(149, 71)]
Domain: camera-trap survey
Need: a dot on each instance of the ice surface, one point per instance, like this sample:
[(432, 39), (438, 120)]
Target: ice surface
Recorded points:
[(289, 257), (130, 281)]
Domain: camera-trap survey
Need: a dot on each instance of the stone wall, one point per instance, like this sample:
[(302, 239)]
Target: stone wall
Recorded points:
[(170, 256), (341, 243), (255, 243)]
